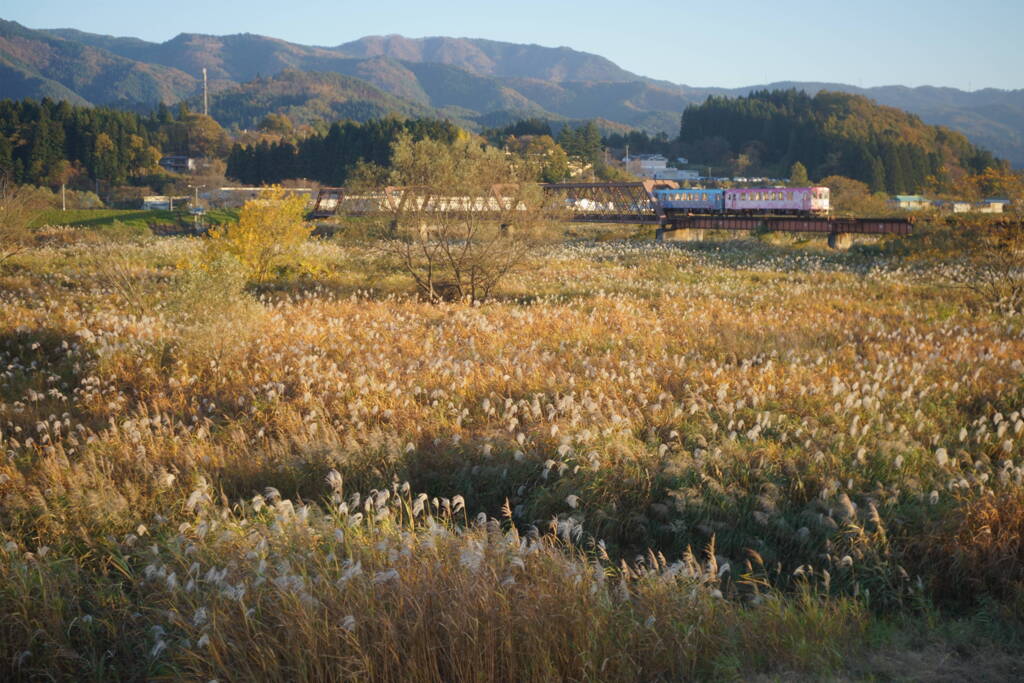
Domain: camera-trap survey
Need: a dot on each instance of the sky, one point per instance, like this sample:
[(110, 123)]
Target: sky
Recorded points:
[(966, 44)]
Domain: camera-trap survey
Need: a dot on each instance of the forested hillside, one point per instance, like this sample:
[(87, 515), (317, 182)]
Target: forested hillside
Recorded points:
[(50, 143), (831, 134), (45, 143)]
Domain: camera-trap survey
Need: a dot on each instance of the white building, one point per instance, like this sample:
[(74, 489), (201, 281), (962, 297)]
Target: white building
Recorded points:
[(952, 205), (237, 196), (656, 166), (646, 165), (992, 205), (910, 202), (159, 202)]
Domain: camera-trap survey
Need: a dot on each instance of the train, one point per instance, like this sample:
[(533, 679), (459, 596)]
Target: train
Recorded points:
[(777, 201)]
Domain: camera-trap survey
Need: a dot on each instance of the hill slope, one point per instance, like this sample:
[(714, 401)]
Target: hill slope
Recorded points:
[(306, 97), (53, 65), (830, 133), (493, 58), (471, 79)]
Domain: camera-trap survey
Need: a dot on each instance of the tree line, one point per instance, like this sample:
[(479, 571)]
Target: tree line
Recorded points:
[(332, 158)]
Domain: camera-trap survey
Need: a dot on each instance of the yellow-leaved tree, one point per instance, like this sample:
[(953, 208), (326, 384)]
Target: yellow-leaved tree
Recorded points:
[(268, 233)]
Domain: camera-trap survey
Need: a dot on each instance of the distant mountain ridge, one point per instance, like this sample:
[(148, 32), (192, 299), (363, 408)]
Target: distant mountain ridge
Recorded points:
[(473, 80)]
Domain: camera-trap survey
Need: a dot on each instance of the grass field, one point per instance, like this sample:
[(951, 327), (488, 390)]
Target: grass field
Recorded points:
[(135, 218), (724, 460)]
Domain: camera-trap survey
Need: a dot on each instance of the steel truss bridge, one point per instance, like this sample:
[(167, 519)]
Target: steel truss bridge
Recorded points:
[(632, 203)]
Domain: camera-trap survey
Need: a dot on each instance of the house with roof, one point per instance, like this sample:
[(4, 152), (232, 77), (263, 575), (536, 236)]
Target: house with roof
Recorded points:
[(952, 205), (992, 205), (910, 202)]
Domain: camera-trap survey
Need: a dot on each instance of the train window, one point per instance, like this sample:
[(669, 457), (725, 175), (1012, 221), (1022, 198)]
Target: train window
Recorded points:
[(789, 196)]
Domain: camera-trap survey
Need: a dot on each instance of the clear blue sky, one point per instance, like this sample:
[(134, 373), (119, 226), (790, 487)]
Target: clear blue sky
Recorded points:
[(968, 44)]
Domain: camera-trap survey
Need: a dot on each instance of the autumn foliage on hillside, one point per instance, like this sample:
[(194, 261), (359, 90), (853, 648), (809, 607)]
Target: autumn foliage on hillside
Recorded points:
[(831, 133)]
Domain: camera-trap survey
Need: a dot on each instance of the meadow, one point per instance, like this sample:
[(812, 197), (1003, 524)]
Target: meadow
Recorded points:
[(638, 461)]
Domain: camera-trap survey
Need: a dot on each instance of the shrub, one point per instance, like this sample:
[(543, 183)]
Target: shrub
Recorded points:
[(979, 551), (17, 206), (267, 236)]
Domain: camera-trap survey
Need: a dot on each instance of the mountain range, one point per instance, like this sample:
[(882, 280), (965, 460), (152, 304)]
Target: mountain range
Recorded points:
[(476, 82)]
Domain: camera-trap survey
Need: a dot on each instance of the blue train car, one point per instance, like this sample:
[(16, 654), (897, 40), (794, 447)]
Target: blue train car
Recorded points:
[(691, 200)]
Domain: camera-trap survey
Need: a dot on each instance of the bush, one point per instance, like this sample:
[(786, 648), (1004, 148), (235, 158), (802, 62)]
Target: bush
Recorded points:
[(266, 237), (977, 552), (17, 206)]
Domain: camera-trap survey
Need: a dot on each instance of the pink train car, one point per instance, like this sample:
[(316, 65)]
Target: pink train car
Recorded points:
[(777, 200)]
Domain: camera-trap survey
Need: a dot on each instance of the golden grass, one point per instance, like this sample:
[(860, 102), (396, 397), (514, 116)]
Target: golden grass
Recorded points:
[(638, 463)]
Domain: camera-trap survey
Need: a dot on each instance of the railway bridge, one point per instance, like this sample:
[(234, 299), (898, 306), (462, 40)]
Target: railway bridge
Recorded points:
[(612, 202)]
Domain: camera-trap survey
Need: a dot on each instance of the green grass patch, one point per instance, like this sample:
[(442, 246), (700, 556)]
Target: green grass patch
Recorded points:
[(101, 218)]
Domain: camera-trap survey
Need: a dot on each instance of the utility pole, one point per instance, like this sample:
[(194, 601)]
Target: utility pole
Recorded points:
[(206, 102), (195, 211), (63, 199)]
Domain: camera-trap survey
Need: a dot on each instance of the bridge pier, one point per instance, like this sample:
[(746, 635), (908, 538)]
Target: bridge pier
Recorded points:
[(680, 235), (840, 240)]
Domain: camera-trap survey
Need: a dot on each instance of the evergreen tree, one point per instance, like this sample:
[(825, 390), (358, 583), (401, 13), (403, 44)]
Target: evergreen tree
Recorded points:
[(877, 178), (6, 157), (798, 175)]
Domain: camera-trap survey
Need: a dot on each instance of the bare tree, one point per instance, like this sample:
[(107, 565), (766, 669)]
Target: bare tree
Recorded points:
[(460, 217), (990, 260), (997, 257)]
